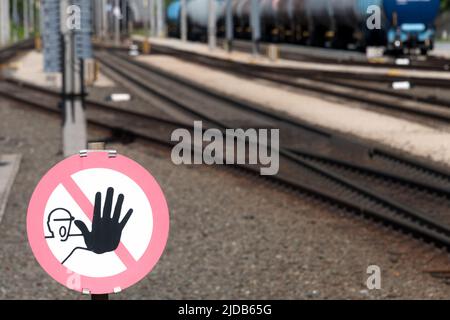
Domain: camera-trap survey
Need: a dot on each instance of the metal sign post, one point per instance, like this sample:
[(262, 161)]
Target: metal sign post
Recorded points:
[(74, 122)]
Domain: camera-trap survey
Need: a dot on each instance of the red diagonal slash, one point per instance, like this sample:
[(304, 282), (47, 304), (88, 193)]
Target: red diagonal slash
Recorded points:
[(86, 206)]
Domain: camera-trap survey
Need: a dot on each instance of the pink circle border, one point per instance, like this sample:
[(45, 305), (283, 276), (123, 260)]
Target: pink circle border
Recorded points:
[(146, 182)]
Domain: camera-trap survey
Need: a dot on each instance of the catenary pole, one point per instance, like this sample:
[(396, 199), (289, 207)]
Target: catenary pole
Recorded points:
[(229, 25), (152, 18), (31, 15), (184, 30), (256, 26), (25, 19), (15, 17), (116, 17), (160, 18), (212, 24), (5, 22)]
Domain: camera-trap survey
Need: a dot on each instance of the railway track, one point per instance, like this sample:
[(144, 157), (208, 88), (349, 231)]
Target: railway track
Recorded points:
[(301, 171), (393, 189), (8, 52), (342, 85), (343, 57), (339, 170)]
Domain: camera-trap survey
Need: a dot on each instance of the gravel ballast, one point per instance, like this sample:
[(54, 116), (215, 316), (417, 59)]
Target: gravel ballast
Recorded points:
[(232, 235)]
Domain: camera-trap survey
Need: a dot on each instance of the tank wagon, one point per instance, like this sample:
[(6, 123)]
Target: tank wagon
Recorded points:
[(397, 24)]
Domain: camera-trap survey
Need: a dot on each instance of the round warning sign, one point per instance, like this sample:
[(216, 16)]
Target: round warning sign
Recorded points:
[(98, 222)]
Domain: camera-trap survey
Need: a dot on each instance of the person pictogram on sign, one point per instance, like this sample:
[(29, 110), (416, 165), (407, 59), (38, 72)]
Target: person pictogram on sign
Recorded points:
[(59, 224), (106, 229)]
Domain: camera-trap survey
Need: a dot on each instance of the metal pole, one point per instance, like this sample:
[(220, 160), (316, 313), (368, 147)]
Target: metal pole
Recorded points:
[(31, 15), (26, 25), (105, 19), (116, 17), (98, 18), (74, 127), (160, 18), (152, 18), (229, 25), (147, 27), (15, 15), (147, 18), (124, 16), (256, 26), (4, 23), (39, 17), (184, 30), (212, 24)]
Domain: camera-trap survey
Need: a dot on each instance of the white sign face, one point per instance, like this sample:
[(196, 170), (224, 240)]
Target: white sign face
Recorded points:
[(102, 219), (67, 241)]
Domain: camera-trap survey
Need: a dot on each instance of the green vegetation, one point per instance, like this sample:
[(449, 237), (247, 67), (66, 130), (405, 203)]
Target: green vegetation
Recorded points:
[(18, 29), (445, 5)]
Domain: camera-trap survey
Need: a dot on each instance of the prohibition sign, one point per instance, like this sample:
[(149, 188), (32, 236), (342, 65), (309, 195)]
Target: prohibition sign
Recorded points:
[(98, 223)]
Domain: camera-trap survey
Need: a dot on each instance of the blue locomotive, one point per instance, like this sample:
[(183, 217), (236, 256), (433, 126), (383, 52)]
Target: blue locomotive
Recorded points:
[(399, 25), (411, 24)]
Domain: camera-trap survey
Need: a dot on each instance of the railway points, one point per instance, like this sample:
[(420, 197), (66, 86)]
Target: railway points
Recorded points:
[(361, 177), (429, 140), (257, 256)]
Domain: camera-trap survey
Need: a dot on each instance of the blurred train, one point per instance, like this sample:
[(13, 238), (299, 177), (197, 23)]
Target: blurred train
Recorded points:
[(398, 25)]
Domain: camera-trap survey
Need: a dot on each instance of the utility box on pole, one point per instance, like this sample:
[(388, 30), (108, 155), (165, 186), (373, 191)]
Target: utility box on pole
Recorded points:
[(51, 35)]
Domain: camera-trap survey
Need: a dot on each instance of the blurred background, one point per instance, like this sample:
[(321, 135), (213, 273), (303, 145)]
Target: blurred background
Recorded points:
[(358, 90)]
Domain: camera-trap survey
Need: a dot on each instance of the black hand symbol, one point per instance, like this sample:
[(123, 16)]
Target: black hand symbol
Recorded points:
[(106, 229)]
